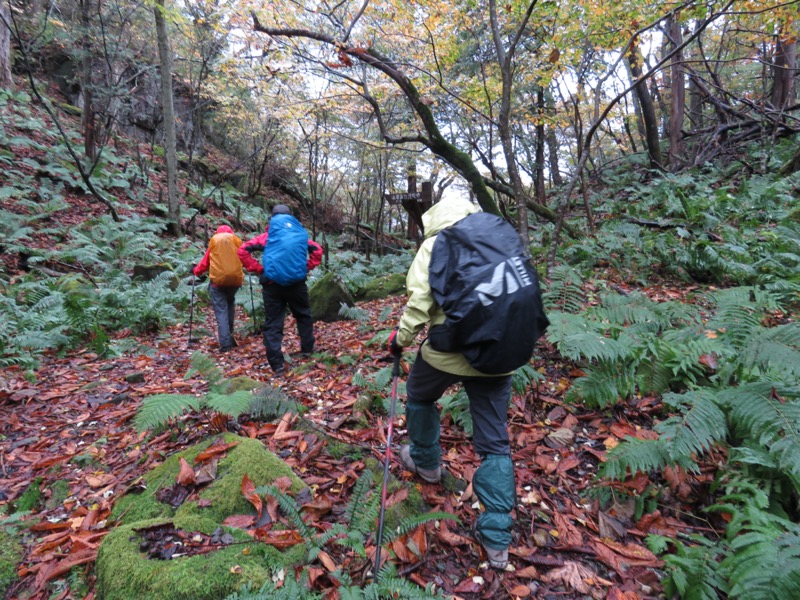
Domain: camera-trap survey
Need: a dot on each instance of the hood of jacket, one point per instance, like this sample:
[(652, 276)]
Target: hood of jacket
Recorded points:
[(446, 213), (223, 229)]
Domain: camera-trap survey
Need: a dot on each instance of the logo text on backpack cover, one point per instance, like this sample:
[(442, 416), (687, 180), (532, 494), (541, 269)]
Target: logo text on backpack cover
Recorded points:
[(512, 272)]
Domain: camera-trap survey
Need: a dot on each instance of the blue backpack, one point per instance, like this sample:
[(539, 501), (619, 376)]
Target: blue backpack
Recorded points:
[(285, 257)]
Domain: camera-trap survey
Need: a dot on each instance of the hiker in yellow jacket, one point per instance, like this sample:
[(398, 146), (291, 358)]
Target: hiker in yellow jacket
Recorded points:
[(225, 275)]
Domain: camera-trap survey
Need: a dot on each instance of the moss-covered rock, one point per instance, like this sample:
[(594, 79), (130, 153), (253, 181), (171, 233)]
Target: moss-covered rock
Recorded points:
[(249, 457), (326, 297), (383, 287), (123, 572)]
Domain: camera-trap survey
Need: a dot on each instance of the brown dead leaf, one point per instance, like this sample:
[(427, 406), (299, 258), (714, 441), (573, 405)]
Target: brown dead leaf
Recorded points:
[(212, 451), (559, 438), (249, 491), (520, 591), (567, 532), (186, 475), (572, 575), (281, 540), (327, 561)]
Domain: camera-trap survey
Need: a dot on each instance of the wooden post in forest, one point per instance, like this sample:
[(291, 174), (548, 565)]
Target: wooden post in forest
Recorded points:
[(415, 204)]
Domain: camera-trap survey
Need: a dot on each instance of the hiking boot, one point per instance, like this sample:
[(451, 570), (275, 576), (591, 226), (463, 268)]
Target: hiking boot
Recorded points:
[(279, 370), (498, 559), (429, 475)]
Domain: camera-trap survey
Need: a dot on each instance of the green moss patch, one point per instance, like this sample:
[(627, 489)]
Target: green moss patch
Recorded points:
[(382, 287), (249, 457), (11, 551), (124, 571)]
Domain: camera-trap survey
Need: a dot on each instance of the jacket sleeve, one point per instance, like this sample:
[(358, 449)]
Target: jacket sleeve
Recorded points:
[(314, 255), (202, 266), (420, 305), (255, 244)]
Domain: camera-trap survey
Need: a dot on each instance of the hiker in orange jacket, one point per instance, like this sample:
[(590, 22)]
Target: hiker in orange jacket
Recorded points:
[(225, 274)]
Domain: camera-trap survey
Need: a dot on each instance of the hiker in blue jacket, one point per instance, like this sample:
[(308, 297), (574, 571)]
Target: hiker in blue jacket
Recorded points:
[(432, 373), (287, 257)]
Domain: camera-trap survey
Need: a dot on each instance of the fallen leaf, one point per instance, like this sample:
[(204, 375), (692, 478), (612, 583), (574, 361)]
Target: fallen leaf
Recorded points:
[(186, 474), (572, 575)]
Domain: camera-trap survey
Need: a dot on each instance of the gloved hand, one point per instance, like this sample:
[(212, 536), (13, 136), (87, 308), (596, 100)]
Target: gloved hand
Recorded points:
[(394, 348)]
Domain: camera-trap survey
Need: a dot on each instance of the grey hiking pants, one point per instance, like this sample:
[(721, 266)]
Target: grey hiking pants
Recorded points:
[(222, 301), (493, 481)]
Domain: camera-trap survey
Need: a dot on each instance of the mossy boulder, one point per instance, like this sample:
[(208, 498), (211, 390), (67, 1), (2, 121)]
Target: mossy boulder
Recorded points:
[(326, 297), (124, 572), (383, 287)]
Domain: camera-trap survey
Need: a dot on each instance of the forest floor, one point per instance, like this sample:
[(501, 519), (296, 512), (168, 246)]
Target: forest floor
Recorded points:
[(74, 424)]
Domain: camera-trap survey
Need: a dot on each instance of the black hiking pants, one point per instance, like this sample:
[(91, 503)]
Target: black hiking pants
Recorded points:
[(276, 300)]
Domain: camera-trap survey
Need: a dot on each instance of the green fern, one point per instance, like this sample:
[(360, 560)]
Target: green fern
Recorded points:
[(233, 404), (160, 409), (270, 403), (206, 367), (700, 425), (564, 291), (353, 313), (769, 415), (603, 385)]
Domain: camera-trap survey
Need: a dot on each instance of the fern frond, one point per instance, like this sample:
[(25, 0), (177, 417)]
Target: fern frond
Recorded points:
[(636, 308), (359, 500), (775, 350), (271, 402), (588, 345), (564, 292), (409, 524), (159, 409), (700, 426), (235, 404), (765, 562), (204, 365), (770, 416), (352, 313), (603, 385), (636, 456), (289, 508)]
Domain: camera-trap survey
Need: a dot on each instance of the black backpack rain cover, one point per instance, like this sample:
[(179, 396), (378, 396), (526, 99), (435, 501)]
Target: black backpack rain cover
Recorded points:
[(489, 291)]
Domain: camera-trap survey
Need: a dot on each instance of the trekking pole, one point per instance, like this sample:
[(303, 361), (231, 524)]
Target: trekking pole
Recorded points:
[(395, 377), (252, 304), (191, 315)]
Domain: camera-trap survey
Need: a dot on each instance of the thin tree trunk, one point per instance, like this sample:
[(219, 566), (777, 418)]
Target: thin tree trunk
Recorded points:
[(168, 108), (677, 96), (541, 196), (5, 46), (648, 109), (88, 119), (784, 67)]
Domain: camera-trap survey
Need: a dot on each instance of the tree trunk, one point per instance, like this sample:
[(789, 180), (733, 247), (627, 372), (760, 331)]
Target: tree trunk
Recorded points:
[(168, 108), (505, 62), (541, 196), (5, 46), (696, 119), (88, 119), (635, 61), (677, 97), (784, 66)]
